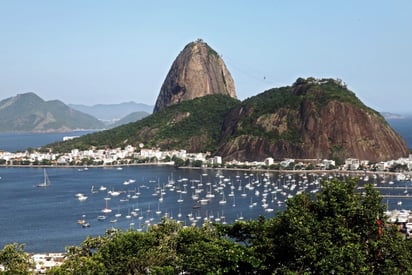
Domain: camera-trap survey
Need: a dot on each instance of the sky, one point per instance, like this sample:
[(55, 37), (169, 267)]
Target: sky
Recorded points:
[(112, 51)]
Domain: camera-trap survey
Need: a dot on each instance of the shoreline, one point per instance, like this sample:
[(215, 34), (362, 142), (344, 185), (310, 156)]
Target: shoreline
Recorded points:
[(280, 171)]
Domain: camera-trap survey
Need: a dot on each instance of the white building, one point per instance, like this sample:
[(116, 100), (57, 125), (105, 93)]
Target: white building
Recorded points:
[(269, 161), (44, 262), (328, 163), (352, 164), (217, 160)]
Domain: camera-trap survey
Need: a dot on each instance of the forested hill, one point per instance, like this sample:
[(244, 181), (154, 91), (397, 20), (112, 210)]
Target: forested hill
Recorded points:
[(192, 125), (313, 118), (29, 113)]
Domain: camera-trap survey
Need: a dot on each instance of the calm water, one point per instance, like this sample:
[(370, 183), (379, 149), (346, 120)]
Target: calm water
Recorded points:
[(46, 219), (13, 142)]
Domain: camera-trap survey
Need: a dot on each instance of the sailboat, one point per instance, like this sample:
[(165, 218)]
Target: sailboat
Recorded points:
[(107, 210), (46, 181)]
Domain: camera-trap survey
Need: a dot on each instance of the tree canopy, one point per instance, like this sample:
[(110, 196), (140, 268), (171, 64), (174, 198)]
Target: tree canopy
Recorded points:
[(14, 260)]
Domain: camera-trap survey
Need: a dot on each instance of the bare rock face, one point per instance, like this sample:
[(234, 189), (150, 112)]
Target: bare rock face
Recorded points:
[(197, 71), (312, 119)]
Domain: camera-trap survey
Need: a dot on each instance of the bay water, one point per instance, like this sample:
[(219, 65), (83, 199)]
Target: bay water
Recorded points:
[(47, 219), (71, 207), (13, 142)]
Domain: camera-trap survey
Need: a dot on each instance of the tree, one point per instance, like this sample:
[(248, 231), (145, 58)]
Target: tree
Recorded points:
[(340, 231), (166, 248), (203, 251), (178, 161), (15, 260), (197, 163)]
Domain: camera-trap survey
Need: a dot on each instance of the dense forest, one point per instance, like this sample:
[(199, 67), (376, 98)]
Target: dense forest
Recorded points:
[(340, 231)]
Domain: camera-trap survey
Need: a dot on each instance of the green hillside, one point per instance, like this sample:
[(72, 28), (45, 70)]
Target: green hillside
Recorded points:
[(318, 118), (303, 92), (192, 125)]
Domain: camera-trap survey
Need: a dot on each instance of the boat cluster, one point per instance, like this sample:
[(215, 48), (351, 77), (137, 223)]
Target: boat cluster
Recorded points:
[(207, 198)]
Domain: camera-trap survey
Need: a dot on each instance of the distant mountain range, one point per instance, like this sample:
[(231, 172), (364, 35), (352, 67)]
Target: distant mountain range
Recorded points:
[(132, 117), (116, 114), (27, 112)]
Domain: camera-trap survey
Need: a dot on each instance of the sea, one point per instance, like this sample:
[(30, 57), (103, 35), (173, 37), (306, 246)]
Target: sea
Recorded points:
[(13, 142), (47, 219), (88, 201)]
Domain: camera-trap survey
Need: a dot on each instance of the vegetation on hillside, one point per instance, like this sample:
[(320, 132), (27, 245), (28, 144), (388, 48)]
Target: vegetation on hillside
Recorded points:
[(291, 99), (274, 115), (171, 128), (340, 231)]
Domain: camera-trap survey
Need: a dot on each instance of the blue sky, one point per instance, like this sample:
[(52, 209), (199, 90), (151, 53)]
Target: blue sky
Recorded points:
[(100, 51)]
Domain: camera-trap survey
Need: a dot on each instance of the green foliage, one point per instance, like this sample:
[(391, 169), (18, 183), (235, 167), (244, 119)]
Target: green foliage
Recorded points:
[(178, 161), (278, 119), (289, 102), (203, 252), (167, 248), (15, 260), (197, 163), (196, 123)]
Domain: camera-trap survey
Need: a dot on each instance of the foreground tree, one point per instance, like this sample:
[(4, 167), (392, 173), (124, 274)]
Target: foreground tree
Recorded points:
[(341, 231), (15, 260), (167, 248), (203, 251)]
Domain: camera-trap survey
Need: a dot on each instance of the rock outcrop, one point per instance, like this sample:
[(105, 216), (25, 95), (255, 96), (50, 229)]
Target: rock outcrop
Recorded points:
[(312, 119), (197, 71)]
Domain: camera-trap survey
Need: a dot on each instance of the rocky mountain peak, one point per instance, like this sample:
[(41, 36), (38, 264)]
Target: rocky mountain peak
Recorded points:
[(197, 71)]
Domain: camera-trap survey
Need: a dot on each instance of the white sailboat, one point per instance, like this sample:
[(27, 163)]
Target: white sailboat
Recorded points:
[(107, 210), (223, 200), (46, 181)]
